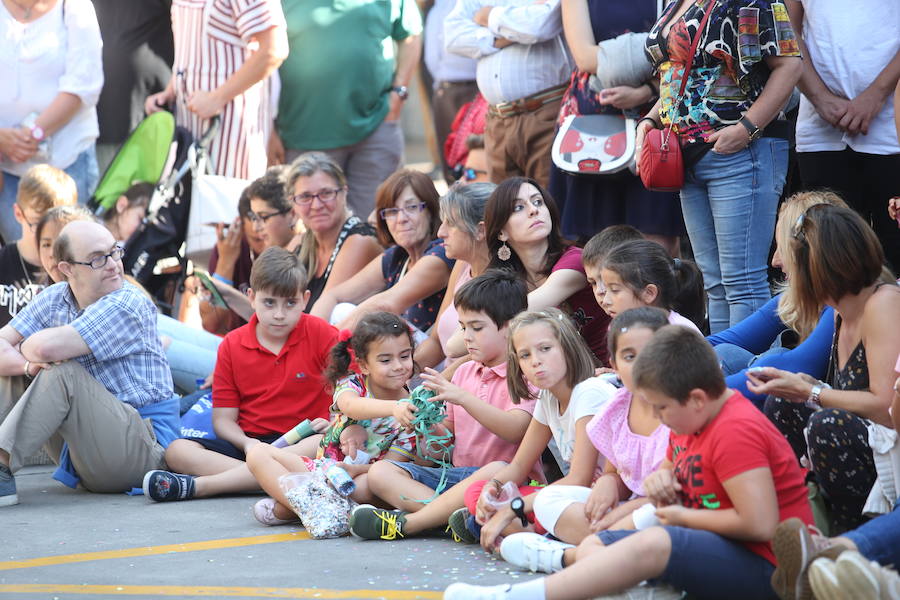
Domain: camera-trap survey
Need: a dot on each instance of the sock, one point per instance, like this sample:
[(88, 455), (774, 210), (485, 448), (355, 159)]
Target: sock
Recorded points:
[(529, 590)]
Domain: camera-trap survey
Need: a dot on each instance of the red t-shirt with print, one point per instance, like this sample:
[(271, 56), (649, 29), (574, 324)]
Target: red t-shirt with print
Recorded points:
[(738, 439)]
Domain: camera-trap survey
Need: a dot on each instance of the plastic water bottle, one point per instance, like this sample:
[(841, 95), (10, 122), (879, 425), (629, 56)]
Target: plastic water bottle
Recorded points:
[(341, 480), (302, 430)]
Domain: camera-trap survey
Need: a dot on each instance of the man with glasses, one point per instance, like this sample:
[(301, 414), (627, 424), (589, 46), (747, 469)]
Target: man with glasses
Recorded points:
[(41, 188), (101, 397)]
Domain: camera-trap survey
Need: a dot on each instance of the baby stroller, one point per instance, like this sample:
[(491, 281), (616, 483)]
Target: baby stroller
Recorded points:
[(158, 152)]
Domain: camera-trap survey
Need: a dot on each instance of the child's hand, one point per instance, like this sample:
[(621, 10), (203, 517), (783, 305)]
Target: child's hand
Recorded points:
[(353, 437), (604, 495), (671, 515), (403, 413), (319, 425), (662, 488), (444, 390), (484, 510), (353, 471)]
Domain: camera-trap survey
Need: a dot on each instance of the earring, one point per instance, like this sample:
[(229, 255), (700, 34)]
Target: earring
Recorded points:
[(504, 253)]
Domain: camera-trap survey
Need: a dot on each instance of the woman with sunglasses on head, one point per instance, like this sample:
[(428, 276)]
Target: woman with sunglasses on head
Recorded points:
[(832, 422), (336, 244), (409, 279), (521, 224)]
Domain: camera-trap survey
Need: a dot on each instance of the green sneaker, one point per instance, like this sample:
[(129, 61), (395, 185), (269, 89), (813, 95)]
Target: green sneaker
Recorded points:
[(370, 523), (457, 525)]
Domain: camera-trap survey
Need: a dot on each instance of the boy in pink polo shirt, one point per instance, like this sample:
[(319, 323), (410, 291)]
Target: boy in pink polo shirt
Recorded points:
[(486, 424)]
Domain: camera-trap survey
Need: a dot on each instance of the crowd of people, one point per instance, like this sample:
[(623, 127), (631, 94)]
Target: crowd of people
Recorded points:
[(528, 361)]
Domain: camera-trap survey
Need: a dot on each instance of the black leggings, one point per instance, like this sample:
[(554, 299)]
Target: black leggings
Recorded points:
[(839, 451)]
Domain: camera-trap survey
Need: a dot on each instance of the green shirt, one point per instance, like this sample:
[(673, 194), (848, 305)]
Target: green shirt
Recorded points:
[(336, 81)]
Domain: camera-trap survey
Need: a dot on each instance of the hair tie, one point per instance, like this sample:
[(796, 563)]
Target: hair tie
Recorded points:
[(345, 335)]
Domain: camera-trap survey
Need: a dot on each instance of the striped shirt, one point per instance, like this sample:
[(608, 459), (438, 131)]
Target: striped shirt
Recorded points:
[(212, 41), (539, 58), (126, 356)]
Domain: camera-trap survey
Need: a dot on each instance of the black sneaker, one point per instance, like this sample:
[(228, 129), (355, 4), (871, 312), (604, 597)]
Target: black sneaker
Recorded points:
[(8, 495), (370, 523), (164, 486), (457, 524)]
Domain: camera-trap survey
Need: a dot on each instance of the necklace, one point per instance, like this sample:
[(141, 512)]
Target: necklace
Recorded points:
[(26, 11), (24, 269)]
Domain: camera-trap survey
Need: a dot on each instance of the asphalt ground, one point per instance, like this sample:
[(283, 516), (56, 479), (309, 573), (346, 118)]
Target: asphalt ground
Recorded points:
[(61, 544)]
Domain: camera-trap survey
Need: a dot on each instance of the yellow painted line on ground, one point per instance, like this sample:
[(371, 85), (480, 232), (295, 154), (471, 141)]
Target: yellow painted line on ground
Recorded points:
[(219, 592), (153, 550)]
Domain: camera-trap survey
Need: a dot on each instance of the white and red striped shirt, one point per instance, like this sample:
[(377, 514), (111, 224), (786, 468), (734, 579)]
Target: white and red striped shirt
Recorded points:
[(211, 43)]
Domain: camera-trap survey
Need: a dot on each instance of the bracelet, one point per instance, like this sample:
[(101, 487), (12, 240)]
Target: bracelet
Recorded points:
[(27, 366), (224, 280), (651, 119)]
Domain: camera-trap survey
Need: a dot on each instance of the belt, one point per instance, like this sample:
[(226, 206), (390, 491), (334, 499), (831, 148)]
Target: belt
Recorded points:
[(528, 104)]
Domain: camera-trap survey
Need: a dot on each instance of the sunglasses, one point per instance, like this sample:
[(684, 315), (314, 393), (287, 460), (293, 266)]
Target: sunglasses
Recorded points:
[(470, 174)]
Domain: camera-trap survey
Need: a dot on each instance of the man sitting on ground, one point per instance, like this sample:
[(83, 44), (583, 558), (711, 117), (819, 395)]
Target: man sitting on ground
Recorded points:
[(99, 372)]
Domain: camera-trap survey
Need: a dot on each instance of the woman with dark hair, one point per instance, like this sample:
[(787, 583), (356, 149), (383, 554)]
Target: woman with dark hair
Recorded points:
[(730, 125), (522, 232), (831, 422), (409, 279)]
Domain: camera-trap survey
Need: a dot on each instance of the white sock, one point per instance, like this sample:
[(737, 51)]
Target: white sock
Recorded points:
[(529, 590)]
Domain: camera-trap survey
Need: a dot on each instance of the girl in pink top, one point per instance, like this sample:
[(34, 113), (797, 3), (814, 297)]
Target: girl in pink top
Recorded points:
[(626, 432), (641, 273)]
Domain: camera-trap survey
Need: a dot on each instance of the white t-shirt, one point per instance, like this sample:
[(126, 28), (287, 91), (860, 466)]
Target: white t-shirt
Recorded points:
[(587, 398), (849, 45), (59, 52)]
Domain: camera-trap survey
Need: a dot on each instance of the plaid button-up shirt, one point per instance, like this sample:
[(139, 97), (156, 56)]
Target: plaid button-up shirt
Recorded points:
[(126, 354)]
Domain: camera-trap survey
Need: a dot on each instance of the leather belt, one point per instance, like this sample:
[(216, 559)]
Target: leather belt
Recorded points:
[(528, 104)]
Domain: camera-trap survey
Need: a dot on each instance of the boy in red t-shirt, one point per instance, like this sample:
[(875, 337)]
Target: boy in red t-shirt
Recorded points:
[(268, 378), (730, 478)]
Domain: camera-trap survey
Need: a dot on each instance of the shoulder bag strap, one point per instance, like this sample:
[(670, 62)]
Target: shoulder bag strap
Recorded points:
[(689, 66)]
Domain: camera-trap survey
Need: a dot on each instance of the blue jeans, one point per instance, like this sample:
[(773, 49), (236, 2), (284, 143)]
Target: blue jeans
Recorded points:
[(729, 203), (705, 564), (734, 359), (85, 173), (877, 539), (431, 476), (191, 354)]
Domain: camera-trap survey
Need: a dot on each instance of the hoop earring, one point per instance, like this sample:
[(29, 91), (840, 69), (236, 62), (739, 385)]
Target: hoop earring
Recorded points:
[(504, 253)]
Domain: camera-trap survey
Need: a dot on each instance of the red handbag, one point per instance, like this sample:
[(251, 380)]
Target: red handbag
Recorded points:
[(660, 163)]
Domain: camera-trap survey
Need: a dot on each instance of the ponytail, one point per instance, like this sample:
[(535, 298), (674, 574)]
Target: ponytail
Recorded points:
[(690, 296), (340, 359)]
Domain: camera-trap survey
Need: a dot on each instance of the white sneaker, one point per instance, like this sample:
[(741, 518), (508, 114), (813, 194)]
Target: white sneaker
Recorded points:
[(465, 591), (645, 591), (533, 552), (264, 511)]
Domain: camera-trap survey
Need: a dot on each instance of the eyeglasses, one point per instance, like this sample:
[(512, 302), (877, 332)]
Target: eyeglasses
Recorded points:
[(98, 262), (263, 217), (325, 196), (470, 174), (31, 226), (411, 210)]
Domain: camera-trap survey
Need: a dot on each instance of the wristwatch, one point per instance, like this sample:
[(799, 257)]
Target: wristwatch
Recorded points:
[(518, 507), (754, 131), (813, 400), (401, 90)]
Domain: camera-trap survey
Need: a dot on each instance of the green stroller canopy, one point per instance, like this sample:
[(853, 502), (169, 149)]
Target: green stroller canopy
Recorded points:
[(142, 158)]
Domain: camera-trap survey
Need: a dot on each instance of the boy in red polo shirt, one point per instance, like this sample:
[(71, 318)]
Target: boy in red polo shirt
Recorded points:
[(268, 378)]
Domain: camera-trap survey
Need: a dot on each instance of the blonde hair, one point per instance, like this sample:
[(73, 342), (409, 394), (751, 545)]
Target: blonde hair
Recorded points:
[(43, 187), (307, 165), (579, 360), (789, 306)]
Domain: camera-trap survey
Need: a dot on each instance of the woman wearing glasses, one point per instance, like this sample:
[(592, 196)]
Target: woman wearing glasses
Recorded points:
[(336, 244), (521, 223), (409, 279), (831, 422)]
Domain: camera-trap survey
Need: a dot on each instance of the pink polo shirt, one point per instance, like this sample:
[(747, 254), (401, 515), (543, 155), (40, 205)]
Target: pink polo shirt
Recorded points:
[(476, 446)]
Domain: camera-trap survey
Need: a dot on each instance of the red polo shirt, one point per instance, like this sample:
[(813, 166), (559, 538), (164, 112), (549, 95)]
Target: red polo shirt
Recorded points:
[(274, 393)]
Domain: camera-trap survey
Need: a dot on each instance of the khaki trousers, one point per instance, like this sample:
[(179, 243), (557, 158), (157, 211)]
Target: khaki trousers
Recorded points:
[(110, 445), (521, 144)]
